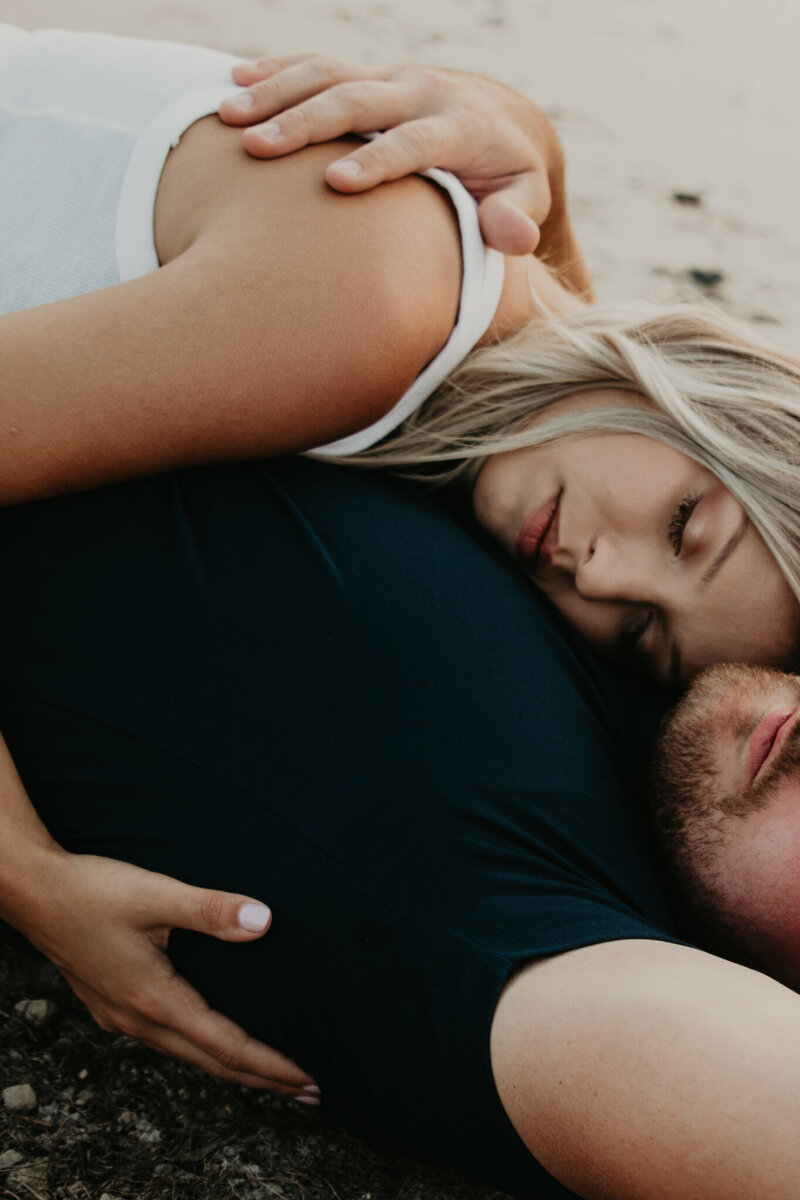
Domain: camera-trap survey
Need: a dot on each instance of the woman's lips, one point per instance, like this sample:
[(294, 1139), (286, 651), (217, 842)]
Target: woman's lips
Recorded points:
[(768, 738), (538, 536)]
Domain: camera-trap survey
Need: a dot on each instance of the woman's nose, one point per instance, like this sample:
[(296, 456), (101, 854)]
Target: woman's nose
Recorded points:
[(615, 570)]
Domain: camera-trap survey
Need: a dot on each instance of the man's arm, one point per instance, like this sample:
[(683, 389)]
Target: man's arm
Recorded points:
[(640, 1070), (500, 145)]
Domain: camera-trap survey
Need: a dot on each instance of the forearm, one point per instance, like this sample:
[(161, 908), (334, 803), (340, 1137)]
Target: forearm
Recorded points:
[(26, 847)]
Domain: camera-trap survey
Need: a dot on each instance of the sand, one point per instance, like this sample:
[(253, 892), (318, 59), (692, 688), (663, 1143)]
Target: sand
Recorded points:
[(697, 97)]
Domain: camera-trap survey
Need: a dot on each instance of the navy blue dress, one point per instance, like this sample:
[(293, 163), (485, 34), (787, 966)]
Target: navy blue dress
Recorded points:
[(315, 687)]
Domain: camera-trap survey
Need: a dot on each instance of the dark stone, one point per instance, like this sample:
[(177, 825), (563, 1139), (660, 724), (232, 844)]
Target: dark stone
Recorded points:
[(705, 279), (689, 199)]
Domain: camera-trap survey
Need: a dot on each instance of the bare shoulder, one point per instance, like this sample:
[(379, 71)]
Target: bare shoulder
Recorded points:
[(367, 284), (618, 1061)]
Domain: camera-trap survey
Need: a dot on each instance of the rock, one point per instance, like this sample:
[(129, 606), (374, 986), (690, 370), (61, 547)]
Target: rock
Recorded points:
[(9, 1159), (37, 1013), (108, 1196), (20, 1098), (147, 1132), (706, 279), (32, 1178), (690, 199)]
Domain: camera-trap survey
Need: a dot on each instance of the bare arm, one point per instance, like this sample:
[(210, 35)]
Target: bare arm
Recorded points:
[(500, 145), (286, 317), (646, 1071)]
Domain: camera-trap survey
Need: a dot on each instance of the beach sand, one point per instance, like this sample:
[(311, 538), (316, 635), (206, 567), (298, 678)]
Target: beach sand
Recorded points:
[(653, 102)]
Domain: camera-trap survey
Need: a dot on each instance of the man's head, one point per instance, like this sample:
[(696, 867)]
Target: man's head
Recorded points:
[(725, 790)]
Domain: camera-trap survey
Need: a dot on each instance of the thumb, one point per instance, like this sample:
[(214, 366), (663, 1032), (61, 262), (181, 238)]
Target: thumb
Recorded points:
[(505, 226), (220, 914)]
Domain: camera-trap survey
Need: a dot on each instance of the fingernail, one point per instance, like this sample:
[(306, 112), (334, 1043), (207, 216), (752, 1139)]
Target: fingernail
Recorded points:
[(242, 100), (254, 917), (348, 167), (269, 133), (310, 1089), (311, 1101)]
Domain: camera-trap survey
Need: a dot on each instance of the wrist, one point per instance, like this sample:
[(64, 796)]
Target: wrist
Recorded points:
[(26, 880)]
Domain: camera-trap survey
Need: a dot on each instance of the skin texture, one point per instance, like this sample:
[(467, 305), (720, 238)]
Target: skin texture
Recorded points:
[(642, 1070), (751, 823), (614, 570), (499, 144)]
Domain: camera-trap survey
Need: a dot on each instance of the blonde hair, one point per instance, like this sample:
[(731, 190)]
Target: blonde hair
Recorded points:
[(728, 401)]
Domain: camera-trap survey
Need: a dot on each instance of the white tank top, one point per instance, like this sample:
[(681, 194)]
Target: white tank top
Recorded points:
[(86, 124)]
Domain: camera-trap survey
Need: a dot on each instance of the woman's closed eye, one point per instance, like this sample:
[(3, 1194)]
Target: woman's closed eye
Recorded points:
[(680, 520), (641, 647), (629, 645)]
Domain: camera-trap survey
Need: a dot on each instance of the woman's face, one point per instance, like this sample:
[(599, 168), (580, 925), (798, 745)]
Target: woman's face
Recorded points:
[(642, 549)]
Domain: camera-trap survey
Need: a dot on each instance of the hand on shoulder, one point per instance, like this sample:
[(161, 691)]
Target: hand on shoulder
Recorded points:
[(497, 142)]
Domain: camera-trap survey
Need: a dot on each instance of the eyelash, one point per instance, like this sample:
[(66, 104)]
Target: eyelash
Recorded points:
[(631, 640), (681, 519)]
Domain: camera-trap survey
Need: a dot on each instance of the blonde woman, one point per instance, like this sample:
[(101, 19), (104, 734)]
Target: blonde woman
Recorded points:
[(170, 301), (286, 317)]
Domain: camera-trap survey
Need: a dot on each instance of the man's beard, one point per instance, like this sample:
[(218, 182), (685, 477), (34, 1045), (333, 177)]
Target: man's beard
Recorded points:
[(688, 784)]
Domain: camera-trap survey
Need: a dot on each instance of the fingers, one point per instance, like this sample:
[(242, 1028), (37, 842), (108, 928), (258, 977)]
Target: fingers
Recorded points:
[(346, 108), (411, 147), (276, 84), (505, 225), (175, 1020), (272, 1073), (225, 915)]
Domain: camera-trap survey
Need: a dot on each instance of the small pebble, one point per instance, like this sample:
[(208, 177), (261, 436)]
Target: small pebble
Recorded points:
[(108, 1196), (20, 1098), (706, 279), (690, 199), (9, 1159), (36, 1012), (31, 1178)]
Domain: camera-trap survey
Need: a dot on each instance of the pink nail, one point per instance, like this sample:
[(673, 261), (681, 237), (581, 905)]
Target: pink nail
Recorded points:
[(243, 101), (254, 917), (348, 167), (269, 133)]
